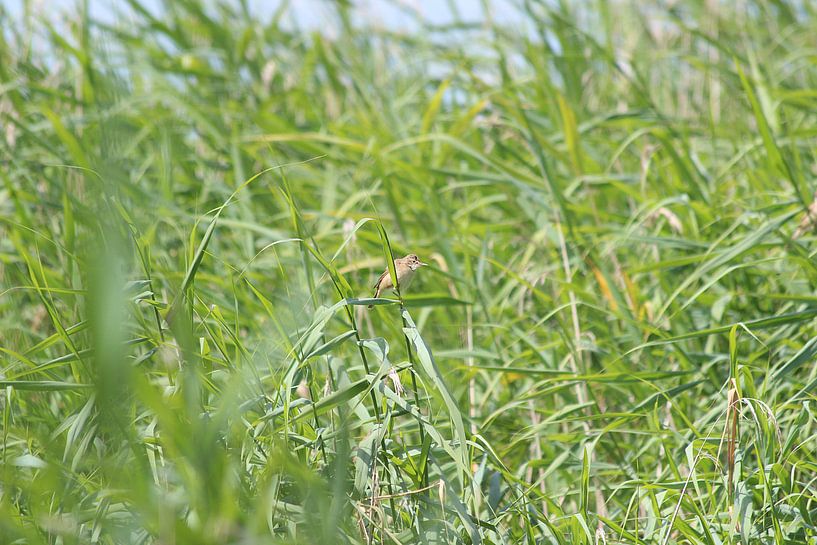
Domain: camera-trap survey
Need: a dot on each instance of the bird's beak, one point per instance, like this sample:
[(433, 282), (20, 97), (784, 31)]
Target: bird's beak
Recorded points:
[(423, 264)]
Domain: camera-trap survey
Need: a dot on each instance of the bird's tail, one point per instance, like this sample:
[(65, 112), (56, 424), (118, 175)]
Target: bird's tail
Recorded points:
[(376, 295)]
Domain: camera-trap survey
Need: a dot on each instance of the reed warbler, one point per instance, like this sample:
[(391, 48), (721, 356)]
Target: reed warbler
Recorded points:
[(405, 267)]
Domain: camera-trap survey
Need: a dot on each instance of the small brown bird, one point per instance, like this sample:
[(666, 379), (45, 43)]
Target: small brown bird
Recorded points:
[(405, 267)]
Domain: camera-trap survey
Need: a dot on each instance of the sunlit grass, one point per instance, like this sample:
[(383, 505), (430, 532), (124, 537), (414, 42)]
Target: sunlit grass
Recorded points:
[(614, 340)]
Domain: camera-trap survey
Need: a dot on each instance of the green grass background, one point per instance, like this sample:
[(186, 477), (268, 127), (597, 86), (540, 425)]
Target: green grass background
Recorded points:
[(606, 194)]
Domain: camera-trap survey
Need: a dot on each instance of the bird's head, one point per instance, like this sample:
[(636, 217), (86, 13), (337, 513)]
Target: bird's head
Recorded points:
[(414, 262)]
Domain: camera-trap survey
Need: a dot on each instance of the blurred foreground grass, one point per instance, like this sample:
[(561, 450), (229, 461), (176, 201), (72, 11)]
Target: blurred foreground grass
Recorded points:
[(614, 343)]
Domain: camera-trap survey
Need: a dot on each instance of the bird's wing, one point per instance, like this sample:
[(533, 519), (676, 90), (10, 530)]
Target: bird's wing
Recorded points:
[(379, 280)]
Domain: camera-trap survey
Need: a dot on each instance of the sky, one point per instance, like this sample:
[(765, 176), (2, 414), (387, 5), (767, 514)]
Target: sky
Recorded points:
[(308, 13)]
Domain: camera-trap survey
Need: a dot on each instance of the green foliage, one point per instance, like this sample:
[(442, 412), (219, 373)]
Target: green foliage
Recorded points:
[(614, 342)]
